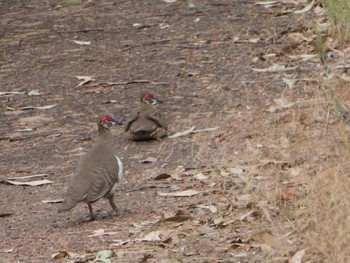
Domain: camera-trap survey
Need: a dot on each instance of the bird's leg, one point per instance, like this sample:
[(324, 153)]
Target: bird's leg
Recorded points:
[(91, 214), (111, 201)]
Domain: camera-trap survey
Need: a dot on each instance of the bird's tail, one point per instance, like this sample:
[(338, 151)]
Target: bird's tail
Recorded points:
[(67, 204)]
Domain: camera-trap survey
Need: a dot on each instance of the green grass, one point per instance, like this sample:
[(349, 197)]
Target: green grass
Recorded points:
[(338, 12), (320, 47)]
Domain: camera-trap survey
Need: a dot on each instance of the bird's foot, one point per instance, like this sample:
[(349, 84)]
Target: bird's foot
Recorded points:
[(90, 218)]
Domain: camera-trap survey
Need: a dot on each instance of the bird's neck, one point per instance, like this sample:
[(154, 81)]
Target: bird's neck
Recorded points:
[(104, 132)]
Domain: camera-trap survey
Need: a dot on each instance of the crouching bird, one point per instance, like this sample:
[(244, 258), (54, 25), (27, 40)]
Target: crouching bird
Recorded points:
[(100, 171), (146, 123)]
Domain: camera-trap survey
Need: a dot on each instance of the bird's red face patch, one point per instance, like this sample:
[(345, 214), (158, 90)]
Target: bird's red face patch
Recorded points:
[(106, 118), (149, 96)]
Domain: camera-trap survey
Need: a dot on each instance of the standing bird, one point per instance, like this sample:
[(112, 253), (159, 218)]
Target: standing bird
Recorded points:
[(147, 123), (100, 171)]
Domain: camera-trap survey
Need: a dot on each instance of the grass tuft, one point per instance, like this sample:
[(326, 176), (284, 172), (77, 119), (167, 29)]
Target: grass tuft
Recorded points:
[(338, 12)]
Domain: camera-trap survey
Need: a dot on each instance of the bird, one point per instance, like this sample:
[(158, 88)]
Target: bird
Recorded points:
[(146, 123), (99, 173)]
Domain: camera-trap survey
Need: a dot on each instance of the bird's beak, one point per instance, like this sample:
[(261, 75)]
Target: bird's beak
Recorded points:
[(115, 119)]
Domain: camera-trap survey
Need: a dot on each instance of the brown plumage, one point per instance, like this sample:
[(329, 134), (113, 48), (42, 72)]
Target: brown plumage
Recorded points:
[(99, 172), (147, 122)]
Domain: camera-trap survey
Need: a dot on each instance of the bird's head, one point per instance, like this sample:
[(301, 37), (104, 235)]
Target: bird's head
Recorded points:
[(107, 120), (149, 98)]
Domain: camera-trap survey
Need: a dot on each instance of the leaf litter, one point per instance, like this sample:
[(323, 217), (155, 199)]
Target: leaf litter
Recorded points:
[(190, 131), (85, 80), (220, 192), (29, 183), (17, 180), (184, 193), (82, 43), (32, 107)]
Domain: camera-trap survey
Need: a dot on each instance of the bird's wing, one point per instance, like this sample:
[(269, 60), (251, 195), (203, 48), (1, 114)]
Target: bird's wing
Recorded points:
[(133, 117), (143, 124), (76, 191), (105, 176), (157, 118)]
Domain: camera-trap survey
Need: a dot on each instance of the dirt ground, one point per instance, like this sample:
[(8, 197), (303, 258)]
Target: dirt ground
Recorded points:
[(198, 56)]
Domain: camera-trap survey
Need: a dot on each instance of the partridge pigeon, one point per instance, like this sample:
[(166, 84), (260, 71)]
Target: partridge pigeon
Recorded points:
[(100, 171), (147, 122)]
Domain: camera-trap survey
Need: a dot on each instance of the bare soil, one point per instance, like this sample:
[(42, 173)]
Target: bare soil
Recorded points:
[(198, 57)]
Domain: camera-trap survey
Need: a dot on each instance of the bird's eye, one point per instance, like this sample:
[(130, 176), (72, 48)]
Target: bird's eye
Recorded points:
[(106, 118)]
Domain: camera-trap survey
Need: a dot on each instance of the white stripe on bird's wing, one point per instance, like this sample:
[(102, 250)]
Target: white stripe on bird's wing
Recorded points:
[(120, 174), (120, 166)]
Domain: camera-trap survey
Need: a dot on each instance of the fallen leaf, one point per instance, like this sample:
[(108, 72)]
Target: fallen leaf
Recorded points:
[(298, 256), (34, 93), (60, 255), (192, 130), (212, 208), (102, 232), (218, 220), (275, 68), (236, 170), (30, 183), (299, 37), (119, 242), (82, 43), (266, 3), (164, 26), (283, 103), (85, 79), (153, 236), (105, 255), (7, 250), (52, 201), (294, 172), (189, 192), (53, 135), (27, 176), (201, 177), (109, 102), (178, 134), (25, 130), (319, 11), (162, 176), (254, 40), (289, 82), (266, 250), (206, 129), (305, 9), (32, 107), (280, 103), (149, 160), (174, 187), (305, 57), (39, 107)]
